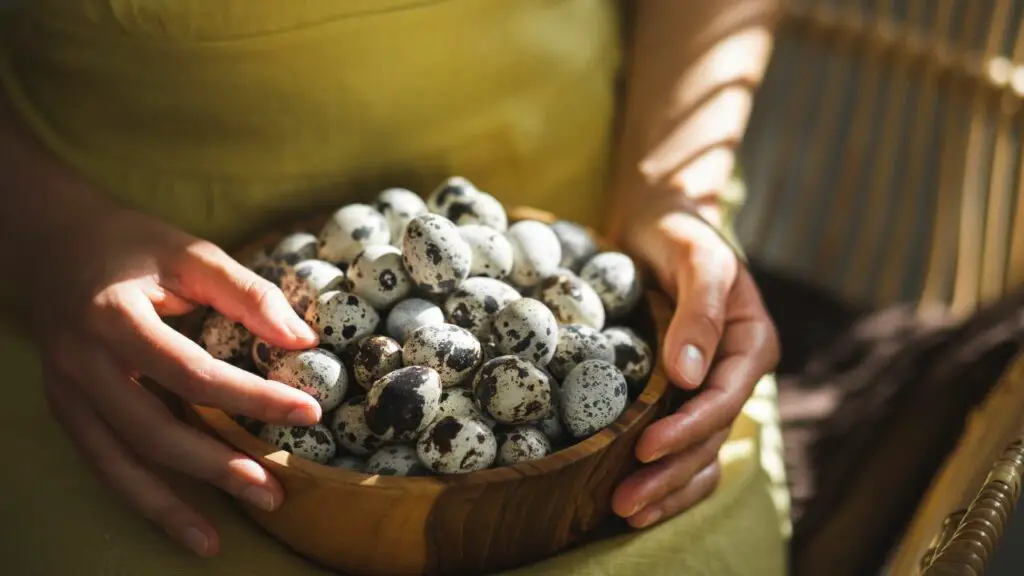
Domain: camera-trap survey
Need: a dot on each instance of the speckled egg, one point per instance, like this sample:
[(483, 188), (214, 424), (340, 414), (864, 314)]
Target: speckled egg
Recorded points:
[(576, 344), (476, 302), (396, 460), (410, 314), (348, 462), (400, 405), (310, 442), (571, 300), (633, 356), (478, 208), (616, 280), (578, 245), (454, 445), (450, 350), (551, 425), (526, 328), (491, 252), (296, 247), (448, 192), (375, 357), (522, 444), (350, 230), (378, 275), (398, 206), (461, 402), (225, 339), (490, 351), (316, 372), (341, 318), (348, 424), (594, 394), (536, 252), (265, 354), (435, 255), (256, 260), (308, 279), (275, 270), (513, 391)]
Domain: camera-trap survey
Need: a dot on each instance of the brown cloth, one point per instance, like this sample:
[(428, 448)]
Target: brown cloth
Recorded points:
[(871, 404)]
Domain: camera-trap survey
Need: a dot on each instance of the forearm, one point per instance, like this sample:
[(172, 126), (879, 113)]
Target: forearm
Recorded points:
[(41, 196), (692, 73)]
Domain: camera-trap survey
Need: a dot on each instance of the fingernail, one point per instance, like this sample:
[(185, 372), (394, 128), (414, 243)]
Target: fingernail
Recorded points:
[(303, 416), (260, 498), (691, 365), (654, 457), (299, 328), (649, 517), (197, 541), (636, 509)]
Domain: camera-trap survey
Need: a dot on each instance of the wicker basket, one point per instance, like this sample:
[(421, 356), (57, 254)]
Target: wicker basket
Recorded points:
[(910, 111)]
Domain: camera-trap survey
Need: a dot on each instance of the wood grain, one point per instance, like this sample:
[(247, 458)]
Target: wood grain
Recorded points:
[(465, 524)]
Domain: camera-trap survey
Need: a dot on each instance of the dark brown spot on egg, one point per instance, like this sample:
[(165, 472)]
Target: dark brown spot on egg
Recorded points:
[(444, 433)]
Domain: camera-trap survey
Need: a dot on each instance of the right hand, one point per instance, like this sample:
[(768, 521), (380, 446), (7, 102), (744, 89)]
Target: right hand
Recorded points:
[(108, 279)]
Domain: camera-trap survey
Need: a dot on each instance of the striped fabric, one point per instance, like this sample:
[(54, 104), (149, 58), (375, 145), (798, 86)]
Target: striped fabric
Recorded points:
[(883, 160)]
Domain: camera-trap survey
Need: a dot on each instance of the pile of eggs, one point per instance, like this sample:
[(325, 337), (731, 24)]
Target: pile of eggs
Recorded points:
[(450, 341)]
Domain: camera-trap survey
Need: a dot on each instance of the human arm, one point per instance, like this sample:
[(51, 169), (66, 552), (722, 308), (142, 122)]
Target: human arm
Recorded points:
[(693, 69), (94, 281)]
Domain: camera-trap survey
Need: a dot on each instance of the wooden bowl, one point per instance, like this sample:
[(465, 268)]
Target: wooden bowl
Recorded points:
[(475, 523)]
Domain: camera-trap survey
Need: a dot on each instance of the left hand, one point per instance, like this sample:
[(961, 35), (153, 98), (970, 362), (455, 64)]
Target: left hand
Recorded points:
[(722, 340)]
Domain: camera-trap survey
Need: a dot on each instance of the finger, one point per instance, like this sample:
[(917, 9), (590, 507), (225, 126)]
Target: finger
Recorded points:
[(654, 482), (123, 471), (166, 303), (208, 275), (132, 328), (700, 487), (705, 270), (149, 428), (747, 352)]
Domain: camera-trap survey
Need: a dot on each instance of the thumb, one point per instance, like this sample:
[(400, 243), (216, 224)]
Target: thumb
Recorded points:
[(702, 273), (209, 276)]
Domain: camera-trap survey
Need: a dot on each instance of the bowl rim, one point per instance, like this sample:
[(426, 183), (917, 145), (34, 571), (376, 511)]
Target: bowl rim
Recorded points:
[(657, 386)]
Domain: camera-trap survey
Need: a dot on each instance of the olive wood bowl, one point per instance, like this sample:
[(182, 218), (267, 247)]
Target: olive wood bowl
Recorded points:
[(475, 523)]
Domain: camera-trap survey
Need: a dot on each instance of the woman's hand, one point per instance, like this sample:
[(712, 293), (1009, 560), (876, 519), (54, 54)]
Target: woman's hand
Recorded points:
[(108, 278), (722, 340)]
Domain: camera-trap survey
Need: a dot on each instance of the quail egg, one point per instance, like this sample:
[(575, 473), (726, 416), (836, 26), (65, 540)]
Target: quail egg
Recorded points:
[(456, 445), (576, 343), (450, 350), (490, 351), (265, 354), (375, 357), (577, 244), (593, 396), (256, 260), (398, 206), (396, 460), (477, 207), (614, 277), (633, 356), (435, 255), (491, 251), (306, 280), (350, 230), (310, 442), (225, 339), (536, 252), (571, 300), (526, 328), (476, 301), (448, 193), (316, 372), (295, 248), (401, 404), (551, 425), (513, 391), (522, 444), (460, 402), (348, 424), (408, 315), (378, 275), (341, 318), (348, 462)]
